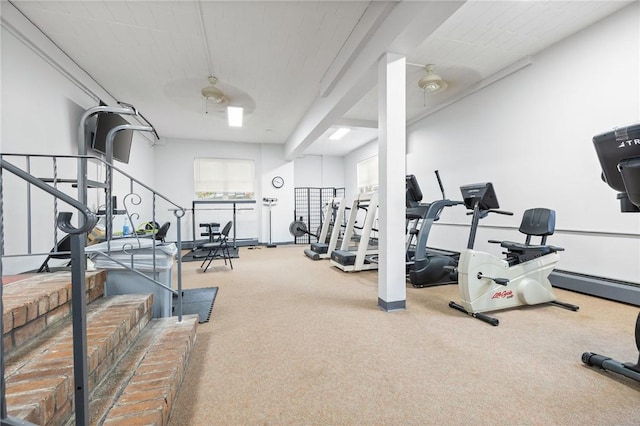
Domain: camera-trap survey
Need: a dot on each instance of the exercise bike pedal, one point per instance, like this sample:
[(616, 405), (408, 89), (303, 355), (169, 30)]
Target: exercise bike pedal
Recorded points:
[(499, 281), (482, 317), (564, 305)]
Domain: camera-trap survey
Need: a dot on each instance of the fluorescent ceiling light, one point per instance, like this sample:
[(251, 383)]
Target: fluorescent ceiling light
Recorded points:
[(338, 134), (234, 114)]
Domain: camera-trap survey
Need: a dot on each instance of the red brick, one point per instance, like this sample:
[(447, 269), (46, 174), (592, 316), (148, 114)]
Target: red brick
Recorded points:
[(64, 295), (32, 385), (44, 399), (155, 418), (19, 316), (63, 413), (130, 397), (54, 299), (58, 313), (7, 322), (43, 304), (7, 342), (32, 310), (29, 413), (29, 331), (138, 408), (141, 385)]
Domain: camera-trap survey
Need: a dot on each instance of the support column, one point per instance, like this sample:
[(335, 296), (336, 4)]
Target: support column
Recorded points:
[(392, 293)]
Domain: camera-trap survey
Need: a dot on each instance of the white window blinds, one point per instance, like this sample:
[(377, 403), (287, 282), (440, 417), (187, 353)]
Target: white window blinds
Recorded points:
[(224, 178), (368, 174)]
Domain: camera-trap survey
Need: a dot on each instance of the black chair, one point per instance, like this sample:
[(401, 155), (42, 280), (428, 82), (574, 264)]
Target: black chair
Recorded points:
[(220, 245), (162, 232), (64, 245)]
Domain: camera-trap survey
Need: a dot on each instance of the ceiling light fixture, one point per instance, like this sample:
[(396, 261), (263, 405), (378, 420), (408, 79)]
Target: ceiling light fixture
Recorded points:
[(212, 93), (431, 83), (338, 134), (234, 115)]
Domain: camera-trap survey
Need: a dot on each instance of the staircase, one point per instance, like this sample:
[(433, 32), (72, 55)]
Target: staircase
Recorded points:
[(68, 354), (135, 363)]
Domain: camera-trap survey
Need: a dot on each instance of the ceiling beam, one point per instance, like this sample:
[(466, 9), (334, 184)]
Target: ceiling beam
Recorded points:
[(356, 123), (369, 22), (406, 26)]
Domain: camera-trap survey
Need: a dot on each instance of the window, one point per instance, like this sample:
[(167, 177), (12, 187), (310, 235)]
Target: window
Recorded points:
[(224, 179), (368, 174)]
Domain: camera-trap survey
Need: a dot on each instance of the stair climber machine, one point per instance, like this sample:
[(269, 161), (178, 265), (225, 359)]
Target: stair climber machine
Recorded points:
[(426, 266), (619, 154), (330, 231), (364, 256), (488, 283)]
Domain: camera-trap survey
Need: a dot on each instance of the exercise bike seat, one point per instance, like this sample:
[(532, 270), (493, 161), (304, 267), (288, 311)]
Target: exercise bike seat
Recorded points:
[(538, 222)]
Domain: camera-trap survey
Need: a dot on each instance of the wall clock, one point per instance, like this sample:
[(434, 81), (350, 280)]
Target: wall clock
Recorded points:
[(277, 182)]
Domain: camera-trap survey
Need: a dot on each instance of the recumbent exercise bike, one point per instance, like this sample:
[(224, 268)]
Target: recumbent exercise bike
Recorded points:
[(488, 283)]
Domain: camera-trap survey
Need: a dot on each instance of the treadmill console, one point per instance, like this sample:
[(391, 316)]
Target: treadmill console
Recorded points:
[(619, 153)]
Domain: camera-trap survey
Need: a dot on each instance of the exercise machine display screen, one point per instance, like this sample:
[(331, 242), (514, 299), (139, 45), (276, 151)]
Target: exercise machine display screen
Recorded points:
[(414, 194), (482, 194), (619, 153)]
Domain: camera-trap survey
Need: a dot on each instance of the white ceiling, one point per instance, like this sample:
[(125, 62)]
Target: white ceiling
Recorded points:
[(277, 57)]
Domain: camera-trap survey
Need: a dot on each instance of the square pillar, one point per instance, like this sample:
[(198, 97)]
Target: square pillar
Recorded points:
[(392, 128)]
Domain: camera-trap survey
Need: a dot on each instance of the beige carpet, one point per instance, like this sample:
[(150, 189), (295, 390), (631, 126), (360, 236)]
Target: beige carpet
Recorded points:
[(293, 341)]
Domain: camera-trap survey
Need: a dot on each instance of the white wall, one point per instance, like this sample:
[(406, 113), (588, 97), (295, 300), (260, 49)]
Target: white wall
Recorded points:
[(530, 134), (174, 158), (319, 171), (43, 97), (273, 164)]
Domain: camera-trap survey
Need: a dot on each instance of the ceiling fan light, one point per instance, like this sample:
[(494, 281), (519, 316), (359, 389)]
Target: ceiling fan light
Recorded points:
[(432, 83), (212, 93)]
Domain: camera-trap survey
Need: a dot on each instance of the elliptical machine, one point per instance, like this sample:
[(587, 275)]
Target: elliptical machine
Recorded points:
[(425, 266), (487, 283), (619, 153)]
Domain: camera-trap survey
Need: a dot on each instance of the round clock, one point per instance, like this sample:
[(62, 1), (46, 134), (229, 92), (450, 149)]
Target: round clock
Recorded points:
[(277, 182)]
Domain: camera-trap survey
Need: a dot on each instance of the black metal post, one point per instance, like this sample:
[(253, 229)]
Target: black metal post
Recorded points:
[(179, 214), (79, 316)]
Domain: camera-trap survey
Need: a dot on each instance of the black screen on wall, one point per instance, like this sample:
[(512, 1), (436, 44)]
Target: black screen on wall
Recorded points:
[(121, 141)]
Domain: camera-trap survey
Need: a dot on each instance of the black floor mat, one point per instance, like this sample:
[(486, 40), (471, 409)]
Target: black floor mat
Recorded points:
[(199, 255), (197, 301)]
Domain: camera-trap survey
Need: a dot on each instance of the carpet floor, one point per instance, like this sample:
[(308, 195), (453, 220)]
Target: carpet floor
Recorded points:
[(299, 342)]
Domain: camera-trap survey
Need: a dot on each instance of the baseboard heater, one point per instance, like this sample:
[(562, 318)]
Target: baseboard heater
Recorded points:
[(619, 291)]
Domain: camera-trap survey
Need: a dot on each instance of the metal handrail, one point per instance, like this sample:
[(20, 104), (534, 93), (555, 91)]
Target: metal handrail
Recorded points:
[(130, 269), (78, 237), (100, 160), (178, 211), (89, 217), (78, 294)]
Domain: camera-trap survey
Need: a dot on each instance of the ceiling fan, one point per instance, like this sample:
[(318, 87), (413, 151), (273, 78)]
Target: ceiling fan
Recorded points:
[(431, 83), (212, 93)]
